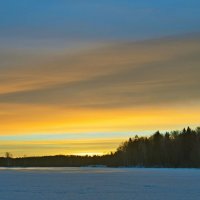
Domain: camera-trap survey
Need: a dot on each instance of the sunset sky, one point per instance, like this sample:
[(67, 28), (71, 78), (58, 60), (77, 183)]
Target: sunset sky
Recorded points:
[(80, 77)]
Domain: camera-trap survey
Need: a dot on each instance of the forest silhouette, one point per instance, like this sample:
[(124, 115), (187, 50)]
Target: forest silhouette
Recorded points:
[(177, 149)]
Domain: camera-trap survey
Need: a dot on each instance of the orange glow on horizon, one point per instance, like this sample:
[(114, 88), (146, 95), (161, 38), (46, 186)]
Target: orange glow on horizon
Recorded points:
[(37, 120), (108, 89)]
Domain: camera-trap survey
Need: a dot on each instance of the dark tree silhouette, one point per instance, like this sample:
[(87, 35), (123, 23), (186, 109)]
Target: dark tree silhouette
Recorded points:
[(174, 149)]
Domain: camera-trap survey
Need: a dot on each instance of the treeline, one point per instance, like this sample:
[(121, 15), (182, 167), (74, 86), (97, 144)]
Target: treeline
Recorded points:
[(58, 161), (174, 149)]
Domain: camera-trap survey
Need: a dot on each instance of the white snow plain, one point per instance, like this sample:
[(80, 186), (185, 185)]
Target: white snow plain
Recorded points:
[(99, 184)]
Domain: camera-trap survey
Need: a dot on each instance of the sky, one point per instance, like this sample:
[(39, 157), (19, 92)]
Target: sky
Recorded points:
[(80, 77)]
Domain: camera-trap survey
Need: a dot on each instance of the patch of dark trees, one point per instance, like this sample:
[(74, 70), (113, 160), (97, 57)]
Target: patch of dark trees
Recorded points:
[(175, 149)]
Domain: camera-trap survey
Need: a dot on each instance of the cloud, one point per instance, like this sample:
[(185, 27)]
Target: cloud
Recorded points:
[(107, 88), (120, 75)]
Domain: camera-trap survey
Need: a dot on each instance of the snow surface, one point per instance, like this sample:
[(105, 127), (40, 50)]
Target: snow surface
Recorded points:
[(99, 184)]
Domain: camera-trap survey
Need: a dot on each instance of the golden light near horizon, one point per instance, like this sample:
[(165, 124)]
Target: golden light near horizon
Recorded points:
[(87, 97), (85, 120)]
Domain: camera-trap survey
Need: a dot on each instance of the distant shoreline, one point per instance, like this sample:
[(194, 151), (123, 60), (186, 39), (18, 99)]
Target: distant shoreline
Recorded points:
[(177, 149)]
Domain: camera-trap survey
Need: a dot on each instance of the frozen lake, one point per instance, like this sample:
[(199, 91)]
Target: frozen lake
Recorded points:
[(99, 184)]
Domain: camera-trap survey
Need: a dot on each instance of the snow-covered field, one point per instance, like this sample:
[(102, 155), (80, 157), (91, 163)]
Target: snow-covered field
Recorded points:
[(99, 184)]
